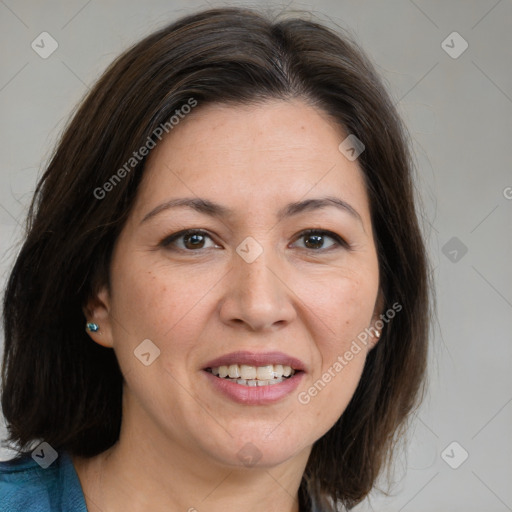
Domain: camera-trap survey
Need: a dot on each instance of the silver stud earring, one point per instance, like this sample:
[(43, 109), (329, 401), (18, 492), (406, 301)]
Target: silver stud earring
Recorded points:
[(377, 334), (92, 327)]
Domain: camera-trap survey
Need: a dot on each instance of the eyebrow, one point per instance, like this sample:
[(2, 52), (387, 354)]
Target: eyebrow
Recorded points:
[(200, 205), (316, 204), (213, 209)]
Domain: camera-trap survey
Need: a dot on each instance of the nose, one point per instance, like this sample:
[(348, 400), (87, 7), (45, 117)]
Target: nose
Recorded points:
[(257, 297)]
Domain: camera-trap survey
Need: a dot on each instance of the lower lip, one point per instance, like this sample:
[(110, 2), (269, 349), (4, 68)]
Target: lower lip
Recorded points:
[(255, 395)]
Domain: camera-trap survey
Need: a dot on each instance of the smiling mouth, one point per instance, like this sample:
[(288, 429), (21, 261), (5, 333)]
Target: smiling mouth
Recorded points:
[(252, 376)]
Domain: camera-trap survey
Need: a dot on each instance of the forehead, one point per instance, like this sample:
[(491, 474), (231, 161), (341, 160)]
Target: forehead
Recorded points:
[(267, 152)]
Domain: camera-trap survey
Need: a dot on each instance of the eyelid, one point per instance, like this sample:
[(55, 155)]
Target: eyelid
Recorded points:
[(168, 240), (318, 231)]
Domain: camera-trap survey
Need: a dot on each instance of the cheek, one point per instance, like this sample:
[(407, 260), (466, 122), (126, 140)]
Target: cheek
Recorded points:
[(330, 388), (344, 309), (344, 305), (166, 305), (154, 300)]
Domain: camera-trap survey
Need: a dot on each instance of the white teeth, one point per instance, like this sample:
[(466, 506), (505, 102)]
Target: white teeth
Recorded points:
[(278, 370), (248, 375), (234, 371), (265, 372), (247, 372), (255, 382)]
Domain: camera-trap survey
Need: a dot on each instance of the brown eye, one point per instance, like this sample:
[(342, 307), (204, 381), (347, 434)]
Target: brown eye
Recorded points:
[(194, 241), (314, 241), (319, 240), (189, 240)]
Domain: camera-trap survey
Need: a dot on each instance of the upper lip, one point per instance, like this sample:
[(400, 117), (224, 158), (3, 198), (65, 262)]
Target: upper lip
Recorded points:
[(256, 359)]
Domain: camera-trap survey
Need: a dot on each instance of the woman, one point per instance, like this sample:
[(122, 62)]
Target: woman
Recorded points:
[(230, 215)]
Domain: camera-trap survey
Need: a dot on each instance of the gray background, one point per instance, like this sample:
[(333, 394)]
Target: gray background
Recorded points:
[(459, 113)]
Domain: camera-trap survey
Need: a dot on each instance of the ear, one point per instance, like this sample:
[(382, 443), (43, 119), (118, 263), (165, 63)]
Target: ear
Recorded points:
[(377, 324), (97, 311)]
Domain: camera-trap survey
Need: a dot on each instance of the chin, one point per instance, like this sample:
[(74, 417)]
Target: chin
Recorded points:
[(261, 451)]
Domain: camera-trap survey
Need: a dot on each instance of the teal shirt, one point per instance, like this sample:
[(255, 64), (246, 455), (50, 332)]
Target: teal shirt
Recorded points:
[(26, 487)]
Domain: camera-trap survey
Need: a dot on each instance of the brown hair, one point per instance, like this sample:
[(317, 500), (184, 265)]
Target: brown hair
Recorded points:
[(60, 387)]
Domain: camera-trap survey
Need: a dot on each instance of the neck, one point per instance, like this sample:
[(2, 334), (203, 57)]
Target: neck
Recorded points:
[(145, 470)]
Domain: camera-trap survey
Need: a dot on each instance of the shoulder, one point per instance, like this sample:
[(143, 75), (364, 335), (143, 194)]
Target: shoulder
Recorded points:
[(26, 484), (21, 485)]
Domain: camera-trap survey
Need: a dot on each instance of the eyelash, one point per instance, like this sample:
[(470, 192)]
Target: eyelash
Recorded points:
[(169, 240), (324, 233)]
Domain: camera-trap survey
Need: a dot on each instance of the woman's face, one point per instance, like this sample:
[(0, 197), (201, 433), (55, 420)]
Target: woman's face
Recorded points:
[(249, 249)]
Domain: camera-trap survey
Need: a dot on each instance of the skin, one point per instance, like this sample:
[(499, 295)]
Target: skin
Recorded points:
[(180, 438)]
